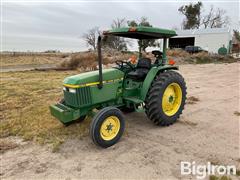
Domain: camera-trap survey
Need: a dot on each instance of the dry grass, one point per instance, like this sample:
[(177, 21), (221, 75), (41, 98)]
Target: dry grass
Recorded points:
[(177, 53), (82, 60), (192, 100), (89, 60), (9, 60), (238, 172), (25, 100), (236, 113), (213, 177), (6, 145), (204, 58), (183, 57)]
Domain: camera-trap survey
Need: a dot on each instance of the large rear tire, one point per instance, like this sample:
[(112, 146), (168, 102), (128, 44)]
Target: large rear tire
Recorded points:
[(107, 127), (166, 98)]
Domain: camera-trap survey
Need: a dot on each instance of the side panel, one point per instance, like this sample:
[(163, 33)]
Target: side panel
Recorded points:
[(131, 88), (109, 92), (150, 77)]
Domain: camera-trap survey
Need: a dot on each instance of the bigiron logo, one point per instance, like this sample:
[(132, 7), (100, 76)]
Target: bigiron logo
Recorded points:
[(201, 171)]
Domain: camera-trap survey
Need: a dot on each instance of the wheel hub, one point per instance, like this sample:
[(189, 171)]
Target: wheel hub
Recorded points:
[(172, 98), (110, 128)]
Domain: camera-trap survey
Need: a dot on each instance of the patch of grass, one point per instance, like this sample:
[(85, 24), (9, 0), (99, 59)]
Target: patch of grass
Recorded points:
[(238, 172), (89, 59), (213, 177), (190, 123), (31, 58), (25, 100), (236, 113), (177, 53), (205, 58), (6, 145), (192, 100), (82, 60)]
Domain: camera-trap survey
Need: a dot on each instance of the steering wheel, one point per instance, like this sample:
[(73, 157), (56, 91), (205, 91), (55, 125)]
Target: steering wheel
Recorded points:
[(121, 64), (157, 53)]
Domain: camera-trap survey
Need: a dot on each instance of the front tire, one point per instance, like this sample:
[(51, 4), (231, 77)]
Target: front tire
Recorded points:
[(166, 98), (107, 127)]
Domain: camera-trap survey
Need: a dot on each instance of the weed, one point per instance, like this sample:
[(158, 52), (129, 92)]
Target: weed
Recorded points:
[(192, 100), (6, 145), (213, 177), (236, 113), (238, 172)]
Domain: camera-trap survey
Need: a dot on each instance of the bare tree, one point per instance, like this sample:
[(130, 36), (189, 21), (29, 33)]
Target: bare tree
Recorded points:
[(118, 23), (91, 37), (216, 18), (116, 42)]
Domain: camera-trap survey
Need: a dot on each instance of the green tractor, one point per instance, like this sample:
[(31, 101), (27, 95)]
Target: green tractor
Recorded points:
[(154, 88)]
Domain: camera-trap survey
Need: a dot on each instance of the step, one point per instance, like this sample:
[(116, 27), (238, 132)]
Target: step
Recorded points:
[(133, 100)]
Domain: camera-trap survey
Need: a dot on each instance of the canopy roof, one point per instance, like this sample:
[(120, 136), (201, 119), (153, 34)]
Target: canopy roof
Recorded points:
[(141, 32)]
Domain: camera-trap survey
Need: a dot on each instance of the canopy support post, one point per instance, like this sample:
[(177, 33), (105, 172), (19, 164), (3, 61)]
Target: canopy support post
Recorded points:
[(140, 48), (164, 57)]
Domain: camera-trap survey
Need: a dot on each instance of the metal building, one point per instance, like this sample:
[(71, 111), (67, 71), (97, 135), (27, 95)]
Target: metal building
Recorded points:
[(208, 39)]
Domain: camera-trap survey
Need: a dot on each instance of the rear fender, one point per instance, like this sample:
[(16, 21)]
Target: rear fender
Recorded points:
[(150, 77)]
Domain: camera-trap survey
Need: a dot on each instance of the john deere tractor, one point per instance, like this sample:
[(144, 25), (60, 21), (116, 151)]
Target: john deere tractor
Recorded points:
[(151, 87)]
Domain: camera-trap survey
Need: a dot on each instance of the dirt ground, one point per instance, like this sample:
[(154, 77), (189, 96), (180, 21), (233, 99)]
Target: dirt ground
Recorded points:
[(208, 130)]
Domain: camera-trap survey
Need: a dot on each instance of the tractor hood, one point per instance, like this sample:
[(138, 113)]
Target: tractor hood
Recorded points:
[(93, 77)]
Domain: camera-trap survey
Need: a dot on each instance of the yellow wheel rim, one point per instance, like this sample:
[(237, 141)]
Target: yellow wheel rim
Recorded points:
[(110, 128), (172, 99)]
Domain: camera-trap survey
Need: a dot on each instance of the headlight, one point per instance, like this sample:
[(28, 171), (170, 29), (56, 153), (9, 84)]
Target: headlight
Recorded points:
[(72, 90), (64, 88)]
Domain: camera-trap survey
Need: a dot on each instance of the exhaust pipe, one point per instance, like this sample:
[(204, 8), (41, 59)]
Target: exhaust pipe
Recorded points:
[(100, 85)]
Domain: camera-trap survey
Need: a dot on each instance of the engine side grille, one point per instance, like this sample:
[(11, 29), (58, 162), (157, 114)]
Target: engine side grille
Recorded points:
[(82, 97)]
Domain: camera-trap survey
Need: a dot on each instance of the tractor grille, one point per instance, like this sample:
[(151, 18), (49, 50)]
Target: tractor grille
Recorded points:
[(82, 97)]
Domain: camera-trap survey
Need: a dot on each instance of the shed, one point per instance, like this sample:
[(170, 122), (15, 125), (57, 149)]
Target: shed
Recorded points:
[(208, 39)]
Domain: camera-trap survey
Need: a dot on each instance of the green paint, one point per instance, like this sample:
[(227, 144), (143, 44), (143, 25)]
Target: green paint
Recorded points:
[(222, 51), (89, 77), (142, 32), (150, 77), (107, 93), (164, 50), (64, 113)]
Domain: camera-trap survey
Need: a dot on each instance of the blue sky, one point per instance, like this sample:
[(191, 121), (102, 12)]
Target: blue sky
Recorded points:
[(42, 25)]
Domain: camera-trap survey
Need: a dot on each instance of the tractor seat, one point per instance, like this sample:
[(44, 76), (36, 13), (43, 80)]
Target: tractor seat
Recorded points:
[(142, 68)]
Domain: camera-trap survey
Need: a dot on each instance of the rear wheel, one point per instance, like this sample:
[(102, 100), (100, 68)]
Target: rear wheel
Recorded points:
[(107, 127), (166, 98)]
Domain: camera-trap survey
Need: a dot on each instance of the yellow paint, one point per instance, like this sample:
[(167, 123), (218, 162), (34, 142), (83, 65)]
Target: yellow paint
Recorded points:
[(172, 99), (71, 85), (110, 128), (90, 84)]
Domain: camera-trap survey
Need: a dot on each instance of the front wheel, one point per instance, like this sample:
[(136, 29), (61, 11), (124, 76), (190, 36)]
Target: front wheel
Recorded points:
[(166, 98), (107, 127)]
